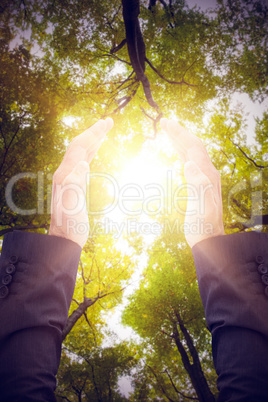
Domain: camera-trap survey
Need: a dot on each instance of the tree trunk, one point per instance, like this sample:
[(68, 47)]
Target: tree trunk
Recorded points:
[(136, 46), (196, 362), (194, 370)]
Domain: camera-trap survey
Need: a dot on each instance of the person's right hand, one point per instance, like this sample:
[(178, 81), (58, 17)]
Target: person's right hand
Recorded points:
[(204, 206), (69, 217)]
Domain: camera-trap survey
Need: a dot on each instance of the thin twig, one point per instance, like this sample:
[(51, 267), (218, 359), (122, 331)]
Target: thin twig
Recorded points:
[(155, 121), (250, 159), (176, 389), (167, 80)]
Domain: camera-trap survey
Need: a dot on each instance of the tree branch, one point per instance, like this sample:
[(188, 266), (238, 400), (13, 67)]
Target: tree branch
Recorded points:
[(81, 309), (128, 99), (233, 163), (106, 54), (176, 389), (194, 370), (164, 332), (155, 121), (168, 10), (64, 397), (76, 314), (250, 159), (126, 80), (90, 326), (116, 49), (12, 139), (152, 4), (188, 68), (94, 381), (165, 79), (136, 46), (158, 382)]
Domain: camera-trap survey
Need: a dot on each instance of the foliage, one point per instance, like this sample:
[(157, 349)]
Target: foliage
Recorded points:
[(168, 296), (94, 376), (73, 58), (31, 136), (243, 167), (103, 274)]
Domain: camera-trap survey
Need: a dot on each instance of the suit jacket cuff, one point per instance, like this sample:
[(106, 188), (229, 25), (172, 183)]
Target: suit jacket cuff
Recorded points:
[(42, 285), (233, 291)]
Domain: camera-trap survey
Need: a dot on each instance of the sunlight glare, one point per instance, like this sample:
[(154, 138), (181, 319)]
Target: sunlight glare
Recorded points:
[(146, 177), (147, 166), (69, 120)]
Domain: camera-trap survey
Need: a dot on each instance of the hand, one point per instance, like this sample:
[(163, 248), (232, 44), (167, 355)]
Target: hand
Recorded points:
[(69, 217), (204, 207)]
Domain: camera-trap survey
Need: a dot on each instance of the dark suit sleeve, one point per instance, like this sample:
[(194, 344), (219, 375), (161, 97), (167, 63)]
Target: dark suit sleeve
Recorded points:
[(232, 273), (37, 278)]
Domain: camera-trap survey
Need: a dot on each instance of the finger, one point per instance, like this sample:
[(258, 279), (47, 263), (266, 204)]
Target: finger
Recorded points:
[(92, 136), (72, 192), (183, 140), (91, 151), (201, 186), (84, 147), (207, 167), (164, 125), (89, 140), (175, 130), (191, 148), (78, 175)]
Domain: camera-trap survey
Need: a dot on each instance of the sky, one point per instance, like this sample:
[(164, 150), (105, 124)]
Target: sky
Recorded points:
[(254, 110), (203, 4)]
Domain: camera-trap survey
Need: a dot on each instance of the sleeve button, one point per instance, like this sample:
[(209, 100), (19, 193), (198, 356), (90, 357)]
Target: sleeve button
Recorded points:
[(13, 259), (10, 269), (263, 269), (259, 259), (3, 292), (264, 278), (6, 279)]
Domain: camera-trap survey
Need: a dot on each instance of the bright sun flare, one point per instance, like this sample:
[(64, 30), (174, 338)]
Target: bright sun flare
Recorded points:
[(147, 166), (140, 180)]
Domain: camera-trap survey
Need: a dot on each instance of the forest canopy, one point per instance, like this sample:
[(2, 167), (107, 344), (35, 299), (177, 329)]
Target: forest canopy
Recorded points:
[(65, 64)]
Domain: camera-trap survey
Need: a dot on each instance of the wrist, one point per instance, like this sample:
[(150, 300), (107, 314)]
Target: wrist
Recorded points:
[(205, 232)]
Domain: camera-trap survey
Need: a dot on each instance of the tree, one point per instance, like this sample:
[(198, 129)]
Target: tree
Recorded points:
[(94, 377), (87, 64), (206, 53), (103, 274), (31, 136), (133, 60), (166, 311), (243, 167), (246, 61), (89, 370)]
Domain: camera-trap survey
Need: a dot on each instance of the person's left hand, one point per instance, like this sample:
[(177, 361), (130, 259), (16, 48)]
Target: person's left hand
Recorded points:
[(69, 217), (203, 218)]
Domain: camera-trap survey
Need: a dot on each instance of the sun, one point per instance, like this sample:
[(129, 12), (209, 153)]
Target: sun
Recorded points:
[(143, 185), (148, 167)]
